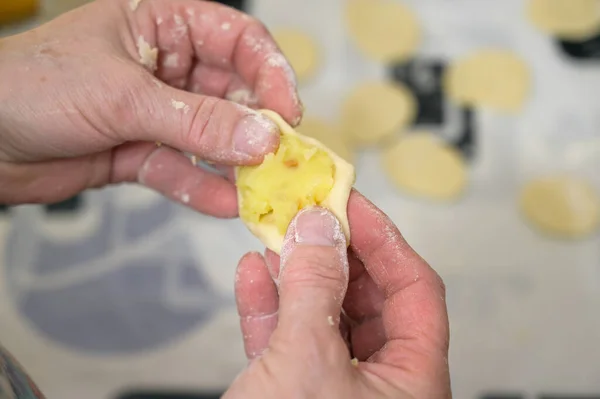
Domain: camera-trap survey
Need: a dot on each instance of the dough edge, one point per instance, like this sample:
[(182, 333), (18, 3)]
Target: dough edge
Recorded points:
[(336, 201)]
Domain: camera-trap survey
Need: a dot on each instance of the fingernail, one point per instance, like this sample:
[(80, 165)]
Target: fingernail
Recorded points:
[(317, 226), (255, 135)]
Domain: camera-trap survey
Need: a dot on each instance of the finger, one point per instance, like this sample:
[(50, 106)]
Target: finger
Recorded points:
[(224, 38), (216, 130), (257, 303), (161, 169), (172, 174), (215, 82), (314, 274), (414, 313)]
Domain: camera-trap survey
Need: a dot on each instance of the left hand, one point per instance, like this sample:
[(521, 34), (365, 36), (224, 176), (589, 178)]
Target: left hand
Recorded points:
[(82, 101)]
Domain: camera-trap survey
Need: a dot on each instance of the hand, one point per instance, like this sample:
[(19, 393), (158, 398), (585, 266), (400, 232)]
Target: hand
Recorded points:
[(393, 306), (84, 98)]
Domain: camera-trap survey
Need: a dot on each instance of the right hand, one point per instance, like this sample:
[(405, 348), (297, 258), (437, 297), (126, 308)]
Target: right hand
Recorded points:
[(394, 302)]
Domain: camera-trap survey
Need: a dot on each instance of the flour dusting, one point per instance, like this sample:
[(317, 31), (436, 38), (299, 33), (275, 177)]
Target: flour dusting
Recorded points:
[(180, 105), (181, 28), (133, 4), (291, 240), (171, 60), (242, 96), (148, 55)]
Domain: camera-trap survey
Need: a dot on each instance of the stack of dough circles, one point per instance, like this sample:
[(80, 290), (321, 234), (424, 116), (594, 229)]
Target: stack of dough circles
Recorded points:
[(561, 206), (384, 30), (566, 19), (328, 134), (421, 164), (498, 79), (374, 111), (301, 51)]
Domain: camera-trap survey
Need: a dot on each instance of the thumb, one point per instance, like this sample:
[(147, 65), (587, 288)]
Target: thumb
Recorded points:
[(211, 128), (313, 275)]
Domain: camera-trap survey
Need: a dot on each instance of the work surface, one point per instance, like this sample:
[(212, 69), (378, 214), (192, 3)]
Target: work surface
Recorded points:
[(124, 289)]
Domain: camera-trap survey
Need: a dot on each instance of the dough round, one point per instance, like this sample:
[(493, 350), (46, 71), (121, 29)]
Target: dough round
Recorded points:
[(375, 111), (424, 166), (498, 79), (301, 51), (561, 206), (336, 201), (567, 19), (383, 30), (331, 136)]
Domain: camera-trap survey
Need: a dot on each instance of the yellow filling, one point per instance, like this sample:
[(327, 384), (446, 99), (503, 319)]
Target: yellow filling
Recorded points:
[(296, 176)]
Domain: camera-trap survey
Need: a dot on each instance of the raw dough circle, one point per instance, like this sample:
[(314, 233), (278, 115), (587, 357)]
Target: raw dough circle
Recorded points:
[(327, 134), (497, 79), (375, 111), (336, 201), (567, 19), (561, 206), (424, 166), (300, 49), (384, 30)]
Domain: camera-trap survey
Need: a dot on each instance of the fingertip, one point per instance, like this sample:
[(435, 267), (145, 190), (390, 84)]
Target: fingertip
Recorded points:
[(254, 287), (254, 136), (257, 303)]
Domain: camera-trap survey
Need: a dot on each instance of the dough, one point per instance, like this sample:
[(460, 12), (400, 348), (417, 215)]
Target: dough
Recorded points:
[(498, 79), (301, 51), (374, 111), (331, 136), (567, 19), (301, 173), (561, 206), (422, 165), (383, 30)]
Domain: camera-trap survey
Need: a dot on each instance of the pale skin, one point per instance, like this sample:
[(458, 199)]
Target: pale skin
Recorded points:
[(82, 108)]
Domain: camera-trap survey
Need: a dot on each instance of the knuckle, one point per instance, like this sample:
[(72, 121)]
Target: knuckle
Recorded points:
[(315, 269), (204, 111), (124, 102)]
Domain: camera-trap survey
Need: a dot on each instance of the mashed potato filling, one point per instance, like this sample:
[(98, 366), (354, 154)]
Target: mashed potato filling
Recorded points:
[(296, 176)]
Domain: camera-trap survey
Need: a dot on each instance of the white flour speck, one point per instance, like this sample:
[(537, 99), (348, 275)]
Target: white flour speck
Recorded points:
[(171, 60), (185, 198), (180, 105), (180, 29), (148, 55), (159, 21), (242, 96), (133, 4), (226, 26)]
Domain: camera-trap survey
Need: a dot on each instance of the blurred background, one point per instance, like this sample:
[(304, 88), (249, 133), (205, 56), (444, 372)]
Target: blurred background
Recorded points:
[(121, 294)]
